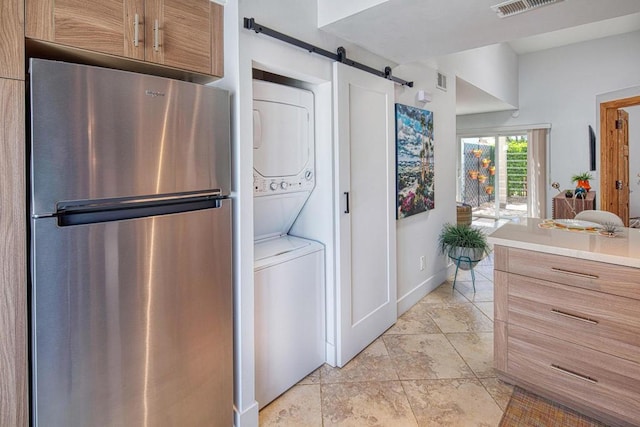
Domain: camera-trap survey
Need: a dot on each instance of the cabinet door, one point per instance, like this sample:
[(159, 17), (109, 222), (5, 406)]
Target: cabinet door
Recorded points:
[(106, 26), (14, 403), (366, 296), (11, 40), (180, 33)]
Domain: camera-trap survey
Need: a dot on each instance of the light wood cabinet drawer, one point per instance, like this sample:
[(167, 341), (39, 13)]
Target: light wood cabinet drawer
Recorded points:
[(588, 377), (597, 276), (599, 321)]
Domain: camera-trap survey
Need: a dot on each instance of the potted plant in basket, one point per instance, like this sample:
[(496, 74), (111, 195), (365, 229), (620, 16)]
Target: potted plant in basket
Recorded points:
[(582, 180), (463, 243)]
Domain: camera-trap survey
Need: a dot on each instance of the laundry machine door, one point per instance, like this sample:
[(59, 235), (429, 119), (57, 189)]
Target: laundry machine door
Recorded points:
[(283, 139), (281, 133), (289, 323)]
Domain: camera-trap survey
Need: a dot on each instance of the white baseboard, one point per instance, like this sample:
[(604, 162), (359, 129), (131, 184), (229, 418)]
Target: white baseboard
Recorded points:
[(416, 294)]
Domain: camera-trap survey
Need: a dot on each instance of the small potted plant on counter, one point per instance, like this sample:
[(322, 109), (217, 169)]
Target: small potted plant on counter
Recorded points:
[(582, 180)]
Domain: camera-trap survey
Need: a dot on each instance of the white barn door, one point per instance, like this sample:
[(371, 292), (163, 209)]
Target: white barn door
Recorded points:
[(365, 173)]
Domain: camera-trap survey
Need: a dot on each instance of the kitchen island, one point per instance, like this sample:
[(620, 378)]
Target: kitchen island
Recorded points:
[(567, 316)]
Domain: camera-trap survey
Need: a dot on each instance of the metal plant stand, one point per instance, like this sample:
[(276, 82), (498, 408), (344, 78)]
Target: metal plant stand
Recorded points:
[(464, 259)]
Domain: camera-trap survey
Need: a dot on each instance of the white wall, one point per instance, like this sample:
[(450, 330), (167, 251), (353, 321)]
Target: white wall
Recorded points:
[(417, 235), (559, 86), (298, 18), (494, 69), (333, 10), (242, 235)]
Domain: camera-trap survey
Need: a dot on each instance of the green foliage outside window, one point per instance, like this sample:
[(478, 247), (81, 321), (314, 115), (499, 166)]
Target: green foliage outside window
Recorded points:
[(517, 166)]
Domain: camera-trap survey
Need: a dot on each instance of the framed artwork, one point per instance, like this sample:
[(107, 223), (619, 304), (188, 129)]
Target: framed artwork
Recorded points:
[(414, 160)]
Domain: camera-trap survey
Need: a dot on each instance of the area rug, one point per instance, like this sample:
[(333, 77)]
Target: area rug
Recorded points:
[(530, 410)]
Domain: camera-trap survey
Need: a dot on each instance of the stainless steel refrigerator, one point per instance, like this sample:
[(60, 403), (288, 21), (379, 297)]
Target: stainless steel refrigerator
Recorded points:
[(131, 288)]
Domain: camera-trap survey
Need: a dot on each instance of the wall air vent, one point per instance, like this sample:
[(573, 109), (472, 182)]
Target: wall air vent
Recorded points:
[(514, 7), (442, 81)]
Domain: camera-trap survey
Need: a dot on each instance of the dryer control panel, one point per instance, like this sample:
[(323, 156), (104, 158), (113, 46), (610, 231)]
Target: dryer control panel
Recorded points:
[(264, 186)]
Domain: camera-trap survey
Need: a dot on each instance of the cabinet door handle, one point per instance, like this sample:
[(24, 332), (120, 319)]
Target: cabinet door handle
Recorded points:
[(136, 29), (156, 36), (573, 316), (574, 374), (346, 193), (575, 273)]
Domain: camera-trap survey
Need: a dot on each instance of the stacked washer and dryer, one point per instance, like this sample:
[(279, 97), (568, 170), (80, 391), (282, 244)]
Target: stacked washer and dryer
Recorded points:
[(289, 270)]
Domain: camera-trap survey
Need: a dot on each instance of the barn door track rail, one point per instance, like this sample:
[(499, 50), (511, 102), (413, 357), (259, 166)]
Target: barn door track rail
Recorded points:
[(340, 55)]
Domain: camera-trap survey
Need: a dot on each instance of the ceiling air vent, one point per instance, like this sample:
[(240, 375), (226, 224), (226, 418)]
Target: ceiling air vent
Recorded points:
[(514, 7), (442, 81)]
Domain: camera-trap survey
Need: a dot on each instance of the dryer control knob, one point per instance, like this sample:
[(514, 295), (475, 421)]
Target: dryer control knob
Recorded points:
[(284, 185), (273, 186), (307, 175)]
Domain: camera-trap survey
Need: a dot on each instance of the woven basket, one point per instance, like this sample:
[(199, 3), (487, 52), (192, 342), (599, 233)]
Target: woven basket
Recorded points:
[(464, 214)]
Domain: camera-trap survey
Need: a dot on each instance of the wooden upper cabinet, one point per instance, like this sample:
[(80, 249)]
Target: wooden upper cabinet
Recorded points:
[(183, 34), (105, 26), (11, 39), (179, 33)]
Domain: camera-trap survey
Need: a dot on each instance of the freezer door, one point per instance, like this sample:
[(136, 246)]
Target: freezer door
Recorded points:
[(132, 321), (98, 133)]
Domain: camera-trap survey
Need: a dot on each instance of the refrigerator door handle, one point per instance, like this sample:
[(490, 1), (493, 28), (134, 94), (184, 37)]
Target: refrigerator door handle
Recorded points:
[(123, 202), (105, 212)]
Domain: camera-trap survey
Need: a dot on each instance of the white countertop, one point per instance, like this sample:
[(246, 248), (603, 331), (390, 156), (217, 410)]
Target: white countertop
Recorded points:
[(623, 249)]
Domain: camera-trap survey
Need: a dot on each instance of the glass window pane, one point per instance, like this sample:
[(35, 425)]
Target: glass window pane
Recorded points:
[(494, 175)]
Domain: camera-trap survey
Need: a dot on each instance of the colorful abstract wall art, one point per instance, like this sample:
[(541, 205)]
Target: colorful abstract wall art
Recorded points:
[(414, 160)]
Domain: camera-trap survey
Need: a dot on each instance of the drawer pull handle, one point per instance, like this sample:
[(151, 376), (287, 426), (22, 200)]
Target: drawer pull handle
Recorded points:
[(574, 374), (575, 273), (573, 316)]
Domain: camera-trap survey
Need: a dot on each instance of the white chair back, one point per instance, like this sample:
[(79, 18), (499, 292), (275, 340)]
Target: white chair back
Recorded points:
[(601, 217)]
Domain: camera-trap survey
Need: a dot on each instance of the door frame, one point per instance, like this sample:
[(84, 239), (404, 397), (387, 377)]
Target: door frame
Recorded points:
[(497, 132), (609, 150)]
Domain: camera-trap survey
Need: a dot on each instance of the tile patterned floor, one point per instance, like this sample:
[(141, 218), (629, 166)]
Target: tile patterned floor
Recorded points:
[(432, 368)]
